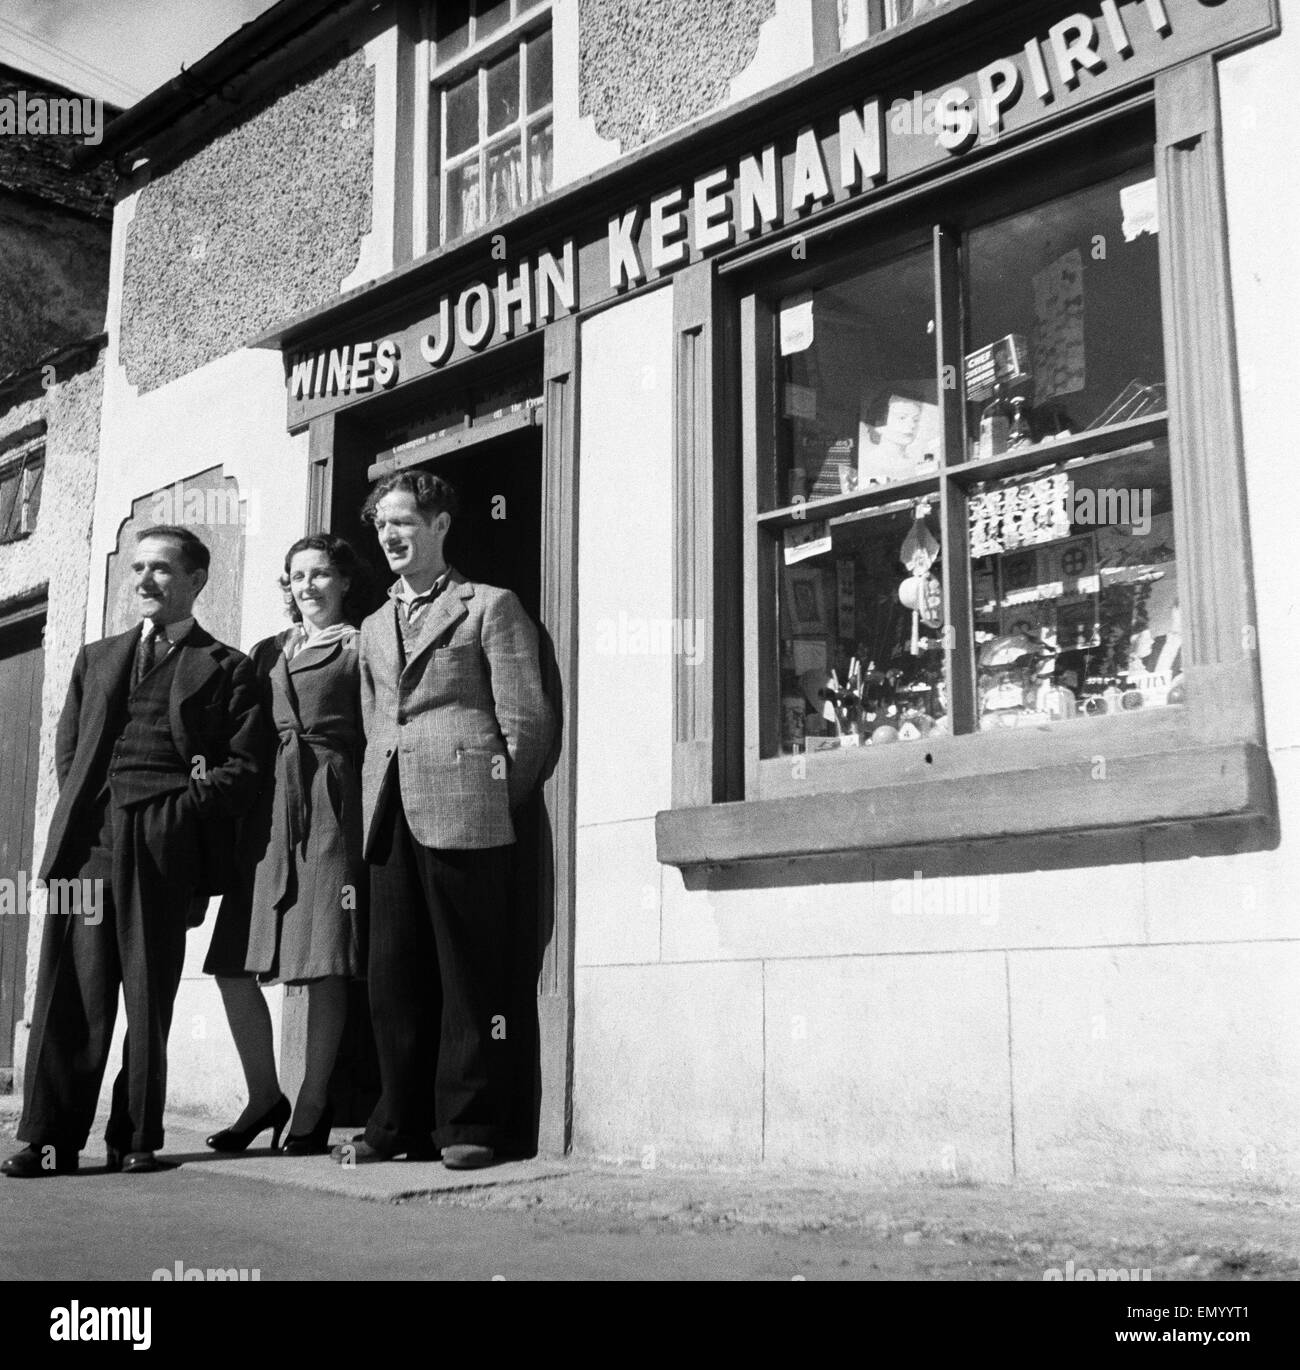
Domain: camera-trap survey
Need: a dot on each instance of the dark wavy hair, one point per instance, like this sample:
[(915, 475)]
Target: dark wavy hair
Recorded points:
[(194, 552), (433, 495), (343, 556)]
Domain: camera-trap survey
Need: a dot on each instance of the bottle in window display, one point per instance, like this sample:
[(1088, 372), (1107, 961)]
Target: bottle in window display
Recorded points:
[(1020, 434), (995, 424)]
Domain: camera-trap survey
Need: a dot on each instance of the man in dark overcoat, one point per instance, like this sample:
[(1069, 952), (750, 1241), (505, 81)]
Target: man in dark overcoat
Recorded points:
[(160, 747)]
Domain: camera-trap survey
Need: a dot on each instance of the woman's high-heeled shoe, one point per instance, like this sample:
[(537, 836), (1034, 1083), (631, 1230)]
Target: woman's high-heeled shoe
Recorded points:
[(316, 1142), (238, 1138)]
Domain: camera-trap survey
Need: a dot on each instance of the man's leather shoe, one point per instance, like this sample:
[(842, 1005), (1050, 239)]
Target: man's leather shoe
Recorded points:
[(359, 1152), (35, 1162), (465, 1156), (134, 1162)]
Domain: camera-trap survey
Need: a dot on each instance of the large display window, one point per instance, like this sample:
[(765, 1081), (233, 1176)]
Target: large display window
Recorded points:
[(1069, 545), (989, 578)]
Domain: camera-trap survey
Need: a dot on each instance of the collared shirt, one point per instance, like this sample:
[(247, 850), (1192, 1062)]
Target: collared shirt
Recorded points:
[(411, 609), (165, 636), (171, 633)]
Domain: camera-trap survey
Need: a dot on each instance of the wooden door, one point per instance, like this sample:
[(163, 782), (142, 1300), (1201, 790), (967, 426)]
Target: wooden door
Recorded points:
[(21, 676)]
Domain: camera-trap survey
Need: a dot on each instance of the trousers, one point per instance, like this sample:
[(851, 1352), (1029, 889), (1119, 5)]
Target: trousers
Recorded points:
[(439, 973), (138, 946)]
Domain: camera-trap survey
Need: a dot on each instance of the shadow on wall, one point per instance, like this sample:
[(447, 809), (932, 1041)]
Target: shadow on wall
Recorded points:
[(210, 506)]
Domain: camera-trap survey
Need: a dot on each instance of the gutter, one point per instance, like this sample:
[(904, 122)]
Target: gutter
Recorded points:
[(161, 110)]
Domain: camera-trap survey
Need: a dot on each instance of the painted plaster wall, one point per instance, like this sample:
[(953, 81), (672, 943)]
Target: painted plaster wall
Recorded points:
[(1116, 1009), (261, 223), (55, 556)]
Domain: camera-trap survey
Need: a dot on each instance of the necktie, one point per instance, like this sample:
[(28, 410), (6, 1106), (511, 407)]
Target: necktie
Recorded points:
[(146, 656)]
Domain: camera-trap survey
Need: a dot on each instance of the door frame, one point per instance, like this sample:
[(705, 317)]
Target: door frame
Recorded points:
[(327, 444), (21, 619)]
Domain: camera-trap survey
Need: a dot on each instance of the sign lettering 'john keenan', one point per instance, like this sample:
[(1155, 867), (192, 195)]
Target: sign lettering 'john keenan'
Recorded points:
[(1086, 54)]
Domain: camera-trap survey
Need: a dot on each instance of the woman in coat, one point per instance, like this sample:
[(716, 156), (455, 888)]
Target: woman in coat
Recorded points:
[(299, 920)]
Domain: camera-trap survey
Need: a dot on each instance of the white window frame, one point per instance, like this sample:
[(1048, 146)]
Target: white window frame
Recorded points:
[(528, 21)]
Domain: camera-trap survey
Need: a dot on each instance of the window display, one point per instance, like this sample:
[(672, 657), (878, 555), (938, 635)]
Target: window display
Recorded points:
[(858, 398), (1075, 603), (861, 652), (1062, 480), (1063, 318)]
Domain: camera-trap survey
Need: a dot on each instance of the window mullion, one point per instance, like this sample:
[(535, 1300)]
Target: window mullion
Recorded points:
[(958, 635)]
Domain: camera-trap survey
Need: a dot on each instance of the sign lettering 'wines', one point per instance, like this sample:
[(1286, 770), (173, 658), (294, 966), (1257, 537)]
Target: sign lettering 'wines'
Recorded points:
[(1088, 53)]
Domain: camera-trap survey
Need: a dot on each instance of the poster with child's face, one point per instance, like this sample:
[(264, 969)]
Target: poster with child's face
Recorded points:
[(898, 438)]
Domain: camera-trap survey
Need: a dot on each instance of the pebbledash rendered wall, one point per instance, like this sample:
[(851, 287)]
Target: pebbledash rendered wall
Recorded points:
[(1118, 1009), (53, 558)]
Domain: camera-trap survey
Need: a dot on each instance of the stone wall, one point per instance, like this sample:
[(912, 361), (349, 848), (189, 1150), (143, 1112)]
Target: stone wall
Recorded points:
[(55, 226), (53, 280)]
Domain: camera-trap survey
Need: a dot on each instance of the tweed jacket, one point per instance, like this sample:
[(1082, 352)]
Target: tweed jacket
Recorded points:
[(214, 707), (464, 726)]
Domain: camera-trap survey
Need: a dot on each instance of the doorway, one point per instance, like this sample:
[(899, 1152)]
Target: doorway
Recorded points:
[(496, 539)]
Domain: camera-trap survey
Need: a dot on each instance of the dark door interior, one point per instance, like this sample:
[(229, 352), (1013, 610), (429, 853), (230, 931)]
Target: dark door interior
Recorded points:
[(497, 540)]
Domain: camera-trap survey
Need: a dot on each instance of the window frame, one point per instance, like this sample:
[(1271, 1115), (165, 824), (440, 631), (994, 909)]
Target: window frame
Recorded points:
[(28, 467), (945, 488), (1204, 759), (527, 23)]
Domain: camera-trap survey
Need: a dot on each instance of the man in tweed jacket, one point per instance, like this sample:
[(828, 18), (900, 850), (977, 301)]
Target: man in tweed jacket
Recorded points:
[(457, 730)]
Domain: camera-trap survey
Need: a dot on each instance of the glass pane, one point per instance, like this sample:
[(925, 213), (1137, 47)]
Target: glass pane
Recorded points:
[(35, 480), (503, 93), (460, 109), (505, 179), (490, 15), (861, 645), (1064, 330), (1075, 592), (858, 399), (464, 204), (539, 159), (539, 71), (451, 28), (10, 505)]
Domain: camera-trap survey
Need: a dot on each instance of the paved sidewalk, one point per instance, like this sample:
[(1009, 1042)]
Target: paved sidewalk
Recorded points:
[(909, 1229)]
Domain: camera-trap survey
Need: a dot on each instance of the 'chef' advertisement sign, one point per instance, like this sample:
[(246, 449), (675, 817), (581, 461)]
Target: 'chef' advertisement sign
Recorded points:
[(1087, 53)]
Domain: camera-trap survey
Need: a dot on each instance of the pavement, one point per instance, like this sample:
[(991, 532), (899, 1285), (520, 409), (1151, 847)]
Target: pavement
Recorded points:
[(556, 1218)]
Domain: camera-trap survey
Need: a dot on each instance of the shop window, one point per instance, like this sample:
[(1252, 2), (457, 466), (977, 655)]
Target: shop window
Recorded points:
[(961, 500), (1056, 477), (492, 107), (20, 495)]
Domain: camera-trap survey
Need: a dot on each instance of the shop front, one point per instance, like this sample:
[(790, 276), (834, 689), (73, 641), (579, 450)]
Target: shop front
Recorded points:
[(873, 458)]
